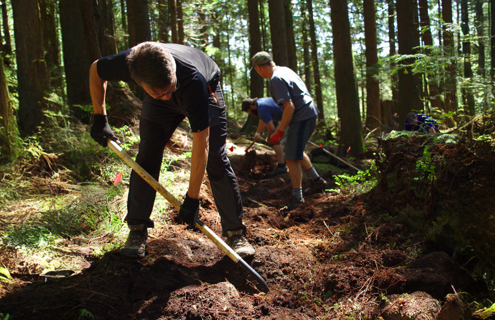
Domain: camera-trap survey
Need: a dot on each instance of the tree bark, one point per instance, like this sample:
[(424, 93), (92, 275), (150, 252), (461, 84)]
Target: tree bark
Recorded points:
[(107, 28), (77, 55), (373, 113), (32, 75), (163, 21), (138, 21), (278, 32), (6, 117), (409, 84), (345, 81), (291, 43), (314, 59), (434, 90), (172, 8), (7, 47), (480, 20), (180, 22), (51, 44), (467, 94), (306, 45), (450, 52), (256, 84), (392, 40)]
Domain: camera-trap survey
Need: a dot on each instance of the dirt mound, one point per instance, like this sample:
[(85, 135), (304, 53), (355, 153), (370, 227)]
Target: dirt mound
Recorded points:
[(442, 189)]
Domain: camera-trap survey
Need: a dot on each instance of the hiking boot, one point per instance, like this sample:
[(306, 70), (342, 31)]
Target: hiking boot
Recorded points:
[(277, 171), (293, 203), (135, 246), (316, 186), (238, 242)]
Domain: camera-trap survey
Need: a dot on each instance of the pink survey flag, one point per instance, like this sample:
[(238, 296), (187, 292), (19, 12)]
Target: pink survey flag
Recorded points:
[(118, 178), (184, 142)]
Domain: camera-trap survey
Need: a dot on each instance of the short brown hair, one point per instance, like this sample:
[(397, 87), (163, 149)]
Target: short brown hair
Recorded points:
[(151, 63), (411, 118), (247, 103)]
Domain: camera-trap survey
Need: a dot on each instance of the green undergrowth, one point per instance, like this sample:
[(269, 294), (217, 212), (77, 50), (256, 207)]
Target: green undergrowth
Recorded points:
[(61, 192)]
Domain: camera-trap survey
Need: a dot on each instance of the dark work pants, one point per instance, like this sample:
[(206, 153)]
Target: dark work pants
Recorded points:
[(223, 181)]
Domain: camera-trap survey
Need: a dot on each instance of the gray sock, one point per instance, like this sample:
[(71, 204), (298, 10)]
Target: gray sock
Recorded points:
[(297, 193), (313, 175)]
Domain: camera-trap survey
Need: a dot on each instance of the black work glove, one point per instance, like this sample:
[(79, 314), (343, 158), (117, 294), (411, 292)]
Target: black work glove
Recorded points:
[(189, 210), (100, 130)]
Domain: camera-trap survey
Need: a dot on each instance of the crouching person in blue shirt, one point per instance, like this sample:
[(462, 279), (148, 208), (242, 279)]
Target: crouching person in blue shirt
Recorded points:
[(421, 123)]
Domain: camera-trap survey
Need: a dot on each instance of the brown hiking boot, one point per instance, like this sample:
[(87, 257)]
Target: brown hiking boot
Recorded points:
[(316, 186), (238, 242), (135, 246)]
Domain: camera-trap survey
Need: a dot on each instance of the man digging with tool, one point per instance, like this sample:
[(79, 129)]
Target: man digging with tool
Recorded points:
[(268, 112), (298, 119), (179, 82)]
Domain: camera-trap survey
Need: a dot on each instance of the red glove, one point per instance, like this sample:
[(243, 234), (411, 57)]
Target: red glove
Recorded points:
[(276, 137)]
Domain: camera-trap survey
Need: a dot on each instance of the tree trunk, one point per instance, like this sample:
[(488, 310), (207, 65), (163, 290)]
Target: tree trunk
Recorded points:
[(306, 45), (180, 22), (434, 91), (467, 94), (163, 21), (278, 32), (7, 47), (291, 43), (172, 8), (345, 81), (107, 28), (409, 84), (450, 52), (256, 84), (6, 117), (77, 55), (373, 111), (480, 20), (492, 39), (314, 58), (123, 14), (393, 51), (32, 75), (138, 21), (51, 44)]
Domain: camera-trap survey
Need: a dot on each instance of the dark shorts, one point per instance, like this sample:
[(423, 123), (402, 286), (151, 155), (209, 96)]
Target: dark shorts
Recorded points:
[(298, 135)]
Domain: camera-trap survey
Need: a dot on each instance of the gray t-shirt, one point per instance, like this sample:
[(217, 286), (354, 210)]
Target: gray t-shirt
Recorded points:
[(285, 85)]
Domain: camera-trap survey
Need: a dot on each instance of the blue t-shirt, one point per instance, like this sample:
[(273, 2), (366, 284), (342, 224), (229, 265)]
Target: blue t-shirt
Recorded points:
[(424, 124), (268, 110), (286, 85)]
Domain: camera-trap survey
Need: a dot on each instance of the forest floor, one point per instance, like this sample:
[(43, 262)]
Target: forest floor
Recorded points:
[(337, 256)]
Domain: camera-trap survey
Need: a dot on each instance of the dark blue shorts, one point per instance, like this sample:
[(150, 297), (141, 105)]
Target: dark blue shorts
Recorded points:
[(298, 135)]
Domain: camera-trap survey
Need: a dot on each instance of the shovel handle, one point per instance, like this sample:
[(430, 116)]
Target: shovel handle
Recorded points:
[(249, 147), (200, 225)]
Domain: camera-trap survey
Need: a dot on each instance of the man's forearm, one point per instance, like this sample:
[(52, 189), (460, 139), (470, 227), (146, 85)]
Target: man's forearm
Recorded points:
[(287, 115), (97, 89), (199, 159)]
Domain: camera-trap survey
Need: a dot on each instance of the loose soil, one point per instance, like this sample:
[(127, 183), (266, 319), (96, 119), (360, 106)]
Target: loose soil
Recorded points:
[(336, 256)]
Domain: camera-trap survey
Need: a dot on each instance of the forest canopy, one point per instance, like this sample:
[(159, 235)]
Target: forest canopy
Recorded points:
[(369, 62)]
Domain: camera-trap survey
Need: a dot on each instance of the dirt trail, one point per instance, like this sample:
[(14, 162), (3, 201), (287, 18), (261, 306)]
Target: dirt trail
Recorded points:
[(332, 257)]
